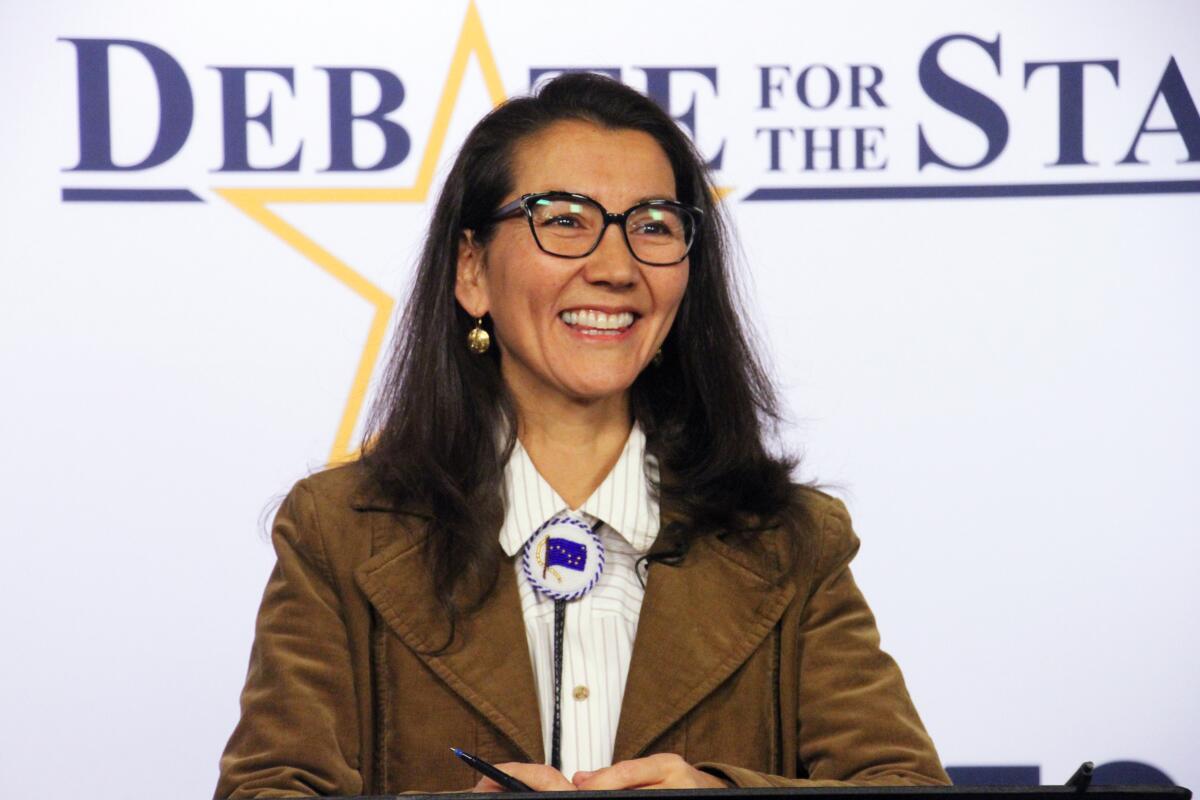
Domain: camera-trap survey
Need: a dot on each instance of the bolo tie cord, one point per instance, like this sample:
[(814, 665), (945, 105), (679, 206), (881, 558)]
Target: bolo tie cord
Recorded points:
[(560, 622)]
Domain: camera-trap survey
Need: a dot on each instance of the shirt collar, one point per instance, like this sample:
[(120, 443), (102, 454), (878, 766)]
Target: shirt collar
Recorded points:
[(623, 500)]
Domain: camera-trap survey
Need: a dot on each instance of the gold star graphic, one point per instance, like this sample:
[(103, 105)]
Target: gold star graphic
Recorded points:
[(255, 203)]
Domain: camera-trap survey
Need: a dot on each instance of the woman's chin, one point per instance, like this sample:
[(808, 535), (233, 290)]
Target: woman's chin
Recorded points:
[(598, 388), (580, 381)]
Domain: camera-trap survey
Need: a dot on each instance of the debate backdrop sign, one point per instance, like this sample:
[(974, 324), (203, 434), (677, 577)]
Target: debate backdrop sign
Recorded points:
[(967, 241)]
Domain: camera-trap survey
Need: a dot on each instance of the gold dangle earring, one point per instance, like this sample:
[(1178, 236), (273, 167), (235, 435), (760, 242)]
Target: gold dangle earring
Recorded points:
[(478, 340)]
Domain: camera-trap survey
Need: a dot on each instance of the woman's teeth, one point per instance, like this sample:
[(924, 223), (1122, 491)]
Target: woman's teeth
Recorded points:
[(597, 322)]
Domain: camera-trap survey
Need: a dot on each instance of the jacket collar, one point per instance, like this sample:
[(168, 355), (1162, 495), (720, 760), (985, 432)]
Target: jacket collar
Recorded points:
[(700, 621)]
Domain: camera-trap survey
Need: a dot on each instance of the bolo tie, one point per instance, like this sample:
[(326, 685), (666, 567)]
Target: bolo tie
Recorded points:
[(563, 561)]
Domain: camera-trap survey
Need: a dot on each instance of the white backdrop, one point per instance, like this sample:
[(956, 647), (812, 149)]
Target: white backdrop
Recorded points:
[(1003, 389)]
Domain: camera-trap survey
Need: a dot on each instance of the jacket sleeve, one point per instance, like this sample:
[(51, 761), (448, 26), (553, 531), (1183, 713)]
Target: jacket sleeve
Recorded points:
[(857, 724), (298, 733)]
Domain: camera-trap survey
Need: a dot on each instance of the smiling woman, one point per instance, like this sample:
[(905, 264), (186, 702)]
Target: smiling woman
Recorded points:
[(567, 546), (577, 329)]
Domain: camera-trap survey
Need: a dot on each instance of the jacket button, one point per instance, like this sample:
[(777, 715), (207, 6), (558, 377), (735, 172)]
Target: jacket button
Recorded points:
[(581, 693)]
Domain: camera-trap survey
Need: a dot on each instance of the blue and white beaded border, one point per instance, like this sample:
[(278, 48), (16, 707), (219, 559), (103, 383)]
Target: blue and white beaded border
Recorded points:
[(528, 557)]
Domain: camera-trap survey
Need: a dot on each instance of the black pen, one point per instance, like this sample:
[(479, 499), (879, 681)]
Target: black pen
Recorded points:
[(484, 768)]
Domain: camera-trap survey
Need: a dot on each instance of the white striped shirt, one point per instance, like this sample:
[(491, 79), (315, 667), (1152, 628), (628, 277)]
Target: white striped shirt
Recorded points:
[(600, 626)]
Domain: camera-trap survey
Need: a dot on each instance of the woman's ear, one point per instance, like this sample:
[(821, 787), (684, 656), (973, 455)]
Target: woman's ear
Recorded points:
[(470, 283)]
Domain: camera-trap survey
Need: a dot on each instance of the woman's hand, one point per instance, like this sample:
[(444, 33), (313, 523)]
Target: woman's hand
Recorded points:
[(661, 771), (539, 777)]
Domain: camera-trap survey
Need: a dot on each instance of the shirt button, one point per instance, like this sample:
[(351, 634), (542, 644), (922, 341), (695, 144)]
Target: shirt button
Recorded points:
[(581, 693)]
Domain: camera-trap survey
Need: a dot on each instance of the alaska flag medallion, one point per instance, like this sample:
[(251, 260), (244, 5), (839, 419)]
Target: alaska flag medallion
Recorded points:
[(564, 558)]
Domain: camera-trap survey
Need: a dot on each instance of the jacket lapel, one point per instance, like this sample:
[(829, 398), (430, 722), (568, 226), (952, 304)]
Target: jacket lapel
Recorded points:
[(487, 665), (699, 622)]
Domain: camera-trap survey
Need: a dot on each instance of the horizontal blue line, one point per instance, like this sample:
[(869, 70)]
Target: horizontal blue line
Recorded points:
[(129, 196), (1087, 189)]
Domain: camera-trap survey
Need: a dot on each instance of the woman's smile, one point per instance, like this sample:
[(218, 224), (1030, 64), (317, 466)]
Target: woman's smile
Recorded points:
[(592, 322)]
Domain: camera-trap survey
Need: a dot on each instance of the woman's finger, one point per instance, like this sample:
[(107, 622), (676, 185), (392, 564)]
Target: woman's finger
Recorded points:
[(661, 771), (633, 774), (539, 777)]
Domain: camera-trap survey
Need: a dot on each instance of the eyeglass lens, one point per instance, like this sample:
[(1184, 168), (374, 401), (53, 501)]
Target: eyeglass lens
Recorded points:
[(572, 227)]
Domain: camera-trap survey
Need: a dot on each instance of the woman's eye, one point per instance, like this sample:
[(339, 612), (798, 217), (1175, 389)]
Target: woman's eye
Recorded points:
[(560, 221), (654, 229)]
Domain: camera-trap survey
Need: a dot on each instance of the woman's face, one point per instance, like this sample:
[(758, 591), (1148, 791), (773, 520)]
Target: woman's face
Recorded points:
[(550, 346)]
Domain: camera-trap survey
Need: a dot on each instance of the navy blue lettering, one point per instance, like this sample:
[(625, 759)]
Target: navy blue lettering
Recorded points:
[(95, 116), (768, 87), (857, 87), (802, 86), (236, 119), (537, 72), (773, 136), (863, 147), (811, 148), (1174, 91), (658, 89), (963, 101), (1070, 104), (396, 141)]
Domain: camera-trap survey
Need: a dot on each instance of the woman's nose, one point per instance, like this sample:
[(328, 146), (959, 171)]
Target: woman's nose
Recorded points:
[(612, 262)]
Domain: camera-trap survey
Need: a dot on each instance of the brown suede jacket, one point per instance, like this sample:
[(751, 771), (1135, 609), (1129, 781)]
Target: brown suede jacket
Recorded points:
[(762, 678)]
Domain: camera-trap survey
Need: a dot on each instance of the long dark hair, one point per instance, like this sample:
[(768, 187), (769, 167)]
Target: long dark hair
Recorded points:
[(443, 425)]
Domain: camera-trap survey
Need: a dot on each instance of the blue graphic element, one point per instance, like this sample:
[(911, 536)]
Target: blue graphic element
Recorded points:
[(73, 195), (951, 191), (1130, 773), (565, 553), (1113, 773), (1022, 775)]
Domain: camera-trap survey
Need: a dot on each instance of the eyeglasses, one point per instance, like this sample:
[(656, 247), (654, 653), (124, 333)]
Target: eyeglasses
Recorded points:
[(658, 232)]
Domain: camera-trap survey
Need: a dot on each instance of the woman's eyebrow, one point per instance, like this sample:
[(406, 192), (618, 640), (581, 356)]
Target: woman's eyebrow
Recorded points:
[(649, 197), (643, 199)]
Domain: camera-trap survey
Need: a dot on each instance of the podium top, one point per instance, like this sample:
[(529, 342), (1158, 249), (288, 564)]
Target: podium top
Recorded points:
[(847, 792)]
